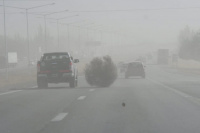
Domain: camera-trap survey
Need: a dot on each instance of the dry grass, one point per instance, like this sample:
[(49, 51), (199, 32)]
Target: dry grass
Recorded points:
[(25, 75), (17, 77)]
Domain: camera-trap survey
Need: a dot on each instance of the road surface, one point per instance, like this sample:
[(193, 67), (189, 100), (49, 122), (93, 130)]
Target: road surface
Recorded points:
[(167, 101)]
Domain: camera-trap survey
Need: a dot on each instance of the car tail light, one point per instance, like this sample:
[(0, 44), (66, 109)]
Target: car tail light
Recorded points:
[(38, 67)]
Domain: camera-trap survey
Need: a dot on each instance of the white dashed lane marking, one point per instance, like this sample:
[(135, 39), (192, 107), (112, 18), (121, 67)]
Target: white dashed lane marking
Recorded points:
[(81, 98), (59, 117), (9, 92)]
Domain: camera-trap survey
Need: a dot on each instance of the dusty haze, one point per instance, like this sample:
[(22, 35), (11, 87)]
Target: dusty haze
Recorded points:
[(145, 25)]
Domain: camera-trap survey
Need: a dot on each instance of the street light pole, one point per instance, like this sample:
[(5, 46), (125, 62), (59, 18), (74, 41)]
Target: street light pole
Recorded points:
[(68, 31), (87, 29), (45, 33), (45, 26), (57, 21), (26, 9), (5, 40), (28, 28), (58, 33), (68, 37), (28, 45), (79, 35)]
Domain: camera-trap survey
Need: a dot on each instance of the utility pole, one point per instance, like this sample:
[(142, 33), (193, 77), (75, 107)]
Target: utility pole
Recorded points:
[(5, 40), (27, 30)]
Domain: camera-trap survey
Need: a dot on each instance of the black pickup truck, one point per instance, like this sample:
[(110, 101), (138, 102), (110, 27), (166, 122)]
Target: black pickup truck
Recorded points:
[(57, 67)]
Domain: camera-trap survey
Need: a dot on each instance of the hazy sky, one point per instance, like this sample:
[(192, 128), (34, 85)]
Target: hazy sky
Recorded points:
[(159, 27)]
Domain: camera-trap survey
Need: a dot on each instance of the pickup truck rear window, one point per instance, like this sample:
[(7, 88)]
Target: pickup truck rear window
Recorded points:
[(135, 64), (55, 56)]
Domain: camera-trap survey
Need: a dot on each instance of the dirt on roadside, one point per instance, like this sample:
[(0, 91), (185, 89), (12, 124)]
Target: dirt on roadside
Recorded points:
[(17, 78)]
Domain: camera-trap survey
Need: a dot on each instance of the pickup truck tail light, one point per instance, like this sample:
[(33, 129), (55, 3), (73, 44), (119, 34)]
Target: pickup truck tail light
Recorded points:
[(70, 66), (70, 63), (39, 70)]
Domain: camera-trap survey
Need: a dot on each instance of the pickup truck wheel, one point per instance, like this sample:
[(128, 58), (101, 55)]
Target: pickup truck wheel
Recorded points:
[(72, 83)]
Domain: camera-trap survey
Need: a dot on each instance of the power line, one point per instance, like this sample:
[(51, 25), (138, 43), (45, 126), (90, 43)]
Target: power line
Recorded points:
[(44, 12), (121, 10), (139, 9), (27, 0), (24, 12)]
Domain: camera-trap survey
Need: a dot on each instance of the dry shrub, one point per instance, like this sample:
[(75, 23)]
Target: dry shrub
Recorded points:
[(101, 72)]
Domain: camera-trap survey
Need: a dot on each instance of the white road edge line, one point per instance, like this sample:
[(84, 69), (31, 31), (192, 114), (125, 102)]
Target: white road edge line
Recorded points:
[(170, 88), (191, 98), (9, 92), (59, 117), (81, 98), (92, 90)]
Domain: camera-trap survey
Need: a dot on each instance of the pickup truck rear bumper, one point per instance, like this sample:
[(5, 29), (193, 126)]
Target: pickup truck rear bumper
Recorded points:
[(56, 78)]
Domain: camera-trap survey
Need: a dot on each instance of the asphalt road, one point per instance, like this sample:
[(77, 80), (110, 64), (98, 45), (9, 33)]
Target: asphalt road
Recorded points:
[(165, 102)]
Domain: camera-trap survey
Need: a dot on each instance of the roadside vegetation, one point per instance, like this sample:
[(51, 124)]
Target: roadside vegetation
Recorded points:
[(189, 44)]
